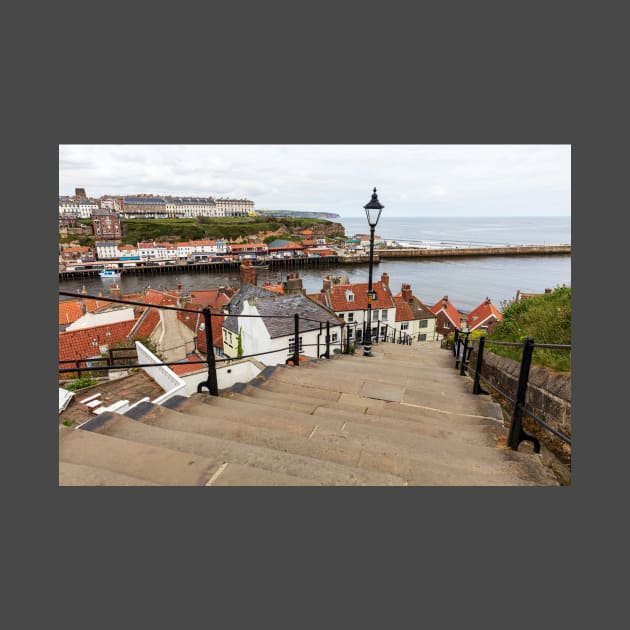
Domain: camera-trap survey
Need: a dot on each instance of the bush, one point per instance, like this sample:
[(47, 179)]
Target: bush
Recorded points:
[(80, 383), (545, 318)]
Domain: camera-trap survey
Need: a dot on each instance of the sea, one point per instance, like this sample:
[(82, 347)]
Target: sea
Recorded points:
[(467, 282)]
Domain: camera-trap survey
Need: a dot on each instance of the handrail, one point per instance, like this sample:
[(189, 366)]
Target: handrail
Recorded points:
[(517, 433)]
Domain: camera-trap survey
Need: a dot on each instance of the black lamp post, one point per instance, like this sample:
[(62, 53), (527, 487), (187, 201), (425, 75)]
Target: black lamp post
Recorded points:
[(373, 213)]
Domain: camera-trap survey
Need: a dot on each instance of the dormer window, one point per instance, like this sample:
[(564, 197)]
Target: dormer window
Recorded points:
[(349, 296)]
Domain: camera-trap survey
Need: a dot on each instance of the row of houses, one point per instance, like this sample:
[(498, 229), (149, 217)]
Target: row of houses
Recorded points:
[(150, 206), (186, 250), (259, 320)]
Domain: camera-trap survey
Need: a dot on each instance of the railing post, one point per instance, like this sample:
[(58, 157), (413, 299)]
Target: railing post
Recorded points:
[(327, 353), (211, 383), (476, 385), (462, 361), (296, 347), (378, 330), (455, 340), (517, 434)]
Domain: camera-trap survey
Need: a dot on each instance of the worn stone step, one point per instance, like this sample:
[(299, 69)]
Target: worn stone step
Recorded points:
[(340, 421), (86, 446), (373, 393), (241, 408), (201, 434), (483, 432), (232, 474), (452, 465), (84, 475), (409, 443)]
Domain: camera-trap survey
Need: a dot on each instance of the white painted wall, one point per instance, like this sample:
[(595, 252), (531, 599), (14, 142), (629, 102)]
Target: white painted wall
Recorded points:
[(101, 319)]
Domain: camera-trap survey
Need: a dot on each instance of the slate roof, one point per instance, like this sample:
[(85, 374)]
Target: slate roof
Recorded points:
[(280, 308)]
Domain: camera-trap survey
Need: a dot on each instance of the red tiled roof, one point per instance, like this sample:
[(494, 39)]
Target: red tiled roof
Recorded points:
[(213, 299), (288, 246), (69, 311), (336, 297), (308, 243), (307, 232), (482, 314), (403, 310), (217, 334), (450, 311), (276, 288), (78, 344), (188, 368), (148, 324)]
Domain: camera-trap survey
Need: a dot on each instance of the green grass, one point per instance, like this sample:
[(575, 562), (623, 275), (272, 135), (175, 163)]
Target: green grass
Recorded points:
[(545, 318), (228, 228)]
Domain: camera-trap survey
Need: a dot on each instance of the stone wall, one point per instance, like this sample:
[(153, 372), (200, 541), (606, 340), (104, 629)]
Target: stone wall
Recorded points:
[(548, 396)]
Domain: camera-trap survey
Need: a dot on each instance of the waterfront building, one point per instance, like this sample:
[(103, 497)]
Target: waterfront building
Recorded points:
[(107, 250)]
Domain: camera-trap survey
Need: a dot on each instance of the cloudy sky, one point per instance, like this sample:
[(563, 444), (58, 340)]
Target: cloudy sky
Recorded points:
[(412, 180)]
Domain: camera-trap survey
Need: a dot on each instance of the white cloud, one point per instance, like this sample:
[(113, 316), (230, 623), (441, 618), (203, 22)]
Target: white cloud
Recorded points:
[(411, 179)]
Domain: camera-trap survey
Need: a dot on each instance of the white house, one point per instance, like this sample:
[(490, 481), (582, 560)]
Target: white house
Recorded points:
[(106, 250), (272, 337)]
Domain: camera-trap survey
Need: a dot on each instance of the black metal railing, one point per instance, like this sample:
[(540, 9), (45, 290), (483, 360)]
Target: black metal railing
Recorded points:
[(382, 332), (462, 349), (87, 364)]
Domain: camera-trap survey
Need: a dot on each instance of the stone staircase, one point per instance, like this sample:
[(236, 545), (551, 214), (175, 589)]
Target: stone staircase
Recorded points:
[(402, 417)]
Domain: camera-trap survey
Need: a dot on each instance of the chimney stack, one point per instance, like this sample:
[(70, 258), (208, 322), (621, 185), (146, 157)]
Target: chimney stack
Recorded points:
[(293, 284), (487, 300), (385, 279), (247, 272), (327, 284), (445, 301), (406, 292), (547, 290)]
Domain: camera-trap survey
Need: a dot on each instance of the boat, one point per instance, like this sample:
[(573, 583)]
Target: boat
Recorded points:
[(109, 273)]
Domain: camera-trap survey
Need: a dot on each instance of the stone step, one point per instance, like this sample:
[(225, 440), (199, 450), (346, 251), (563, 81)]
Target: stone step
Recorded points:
[(421, 365), (433, 463), (200, 434), (83, 475), (86, 446), (241, 408), (341, 421), (239, 475), (377, 431), (373, 393)]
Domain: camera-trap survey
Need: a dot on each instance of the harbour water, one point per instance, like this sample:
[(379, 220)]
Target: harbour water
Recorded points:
[(467, 282)]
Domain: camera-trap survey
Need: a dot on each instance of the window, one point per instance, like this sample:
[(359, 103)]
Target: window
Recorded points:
[(422, 337), (404, 326), (292, 345), (350, 317), (384, 315), (446, 324), (424, 323), (334, 338), (341, 316)]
